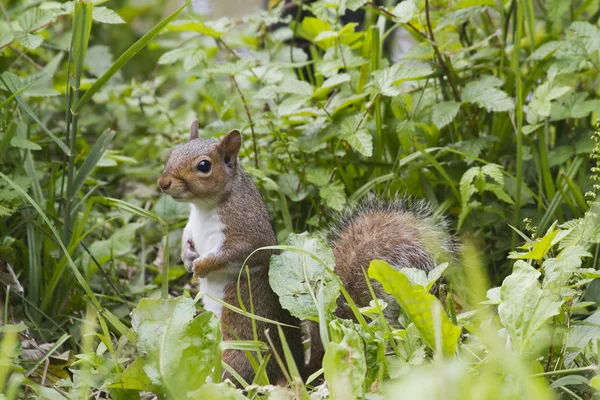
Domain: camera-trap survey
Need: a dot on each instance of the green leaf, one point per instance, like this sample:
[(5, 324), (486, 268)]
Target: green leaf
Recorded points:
[(541, 246), (385, 80), (404, 11), (359, 138), (23, 143), (331, 82), (119, 244), (179, 351), (29, 40), (559, 271), (420, 305), (444, 113), (485, 96), (417, 276), (581, 334), (354, 5), (300, 269), (344, 363), (34, 19), (524, 306), (106, 15), (221, 391), (134, 378), (214, 29), (334, 195)]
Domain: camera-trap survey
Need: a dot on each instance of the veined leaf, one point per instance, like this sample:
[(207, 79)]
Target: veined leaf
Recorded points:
[(334, 195), (444, 113), (420, 306), (490, 98), (106, 15), (179, 350), (385, 80), (404, 11), (295, 276), (524, 306)]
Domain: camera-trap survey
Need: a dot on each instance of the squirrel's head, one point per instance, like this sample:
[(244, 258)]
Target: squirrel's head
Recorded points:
[(201, 169)]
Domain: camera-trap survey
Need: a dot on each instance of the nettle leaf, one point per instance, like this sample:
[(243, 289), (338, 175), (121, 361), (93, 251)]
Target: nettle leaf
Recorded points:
[(485, 96), (36, 85), (524, 306), (474, 147), (334, 81), (354, 5), (106, 15), (296, 272), (35, 18), (179, 349), (545, 50), (540, 104), (334, 195), (385, 80), (29, 40), (405, 11), (344, 363), (420, 305), (359, 138), (581, 334), (444, 113), (6, 34), (119, 244), (559, 271)]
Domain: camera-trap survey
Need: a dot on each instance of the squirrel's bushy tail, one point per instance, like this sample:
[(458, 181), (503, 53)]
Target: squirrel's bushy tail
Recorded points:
[(403, 231)]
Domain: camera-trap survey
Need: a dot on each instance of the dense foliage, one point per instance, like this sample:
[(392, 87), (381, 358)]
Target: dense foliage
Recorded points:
[(486, 108)]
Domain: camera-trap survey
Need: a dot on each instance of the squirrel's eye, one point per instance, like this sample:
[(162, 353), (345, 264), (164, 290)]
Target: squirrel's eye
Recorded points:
[(204, 166)]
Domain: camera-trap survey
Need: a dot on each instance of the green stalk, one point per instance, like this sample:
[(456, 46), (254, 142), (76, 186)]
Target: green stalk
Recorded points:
[(548, 182), (375, 63), (518, 113), (82, 26)]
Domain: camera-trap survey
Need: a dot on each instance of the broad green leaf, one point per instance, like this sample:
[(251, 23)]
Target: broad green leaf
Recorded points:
[(29, 40), (179, 349), (420, 306), (490, 98), (354, 5), (417, 276), (6, 35), (34, 19), (134, 378), (214, 29), (332, 82), (106, 15), (294, 274), (344, 363), (545, 50), (221, 391), (444, 113), (119, 244), (23, 143), (93, 158), (524, 306)]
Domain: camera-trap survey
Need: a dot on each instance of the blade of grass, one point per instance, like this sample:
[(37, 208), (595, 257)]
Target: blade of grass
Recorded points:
[(516, 67), (85, 286), (55, 347), (292, 367), (125, 57), (92, 158)]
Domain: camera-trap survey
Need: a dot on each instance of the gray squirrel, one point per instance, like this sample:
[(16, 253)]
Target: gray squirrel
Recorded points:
[(229, 220)]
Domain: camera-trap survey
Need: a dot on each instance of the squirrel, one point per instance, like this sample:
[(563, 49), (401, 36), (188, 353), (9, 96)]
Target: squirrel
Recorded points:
[(229, 220)]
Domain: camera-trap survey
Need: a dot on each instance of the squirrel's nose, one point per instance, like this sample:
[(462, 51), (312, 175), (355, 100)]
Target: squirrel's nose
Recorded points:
[(164, 183)]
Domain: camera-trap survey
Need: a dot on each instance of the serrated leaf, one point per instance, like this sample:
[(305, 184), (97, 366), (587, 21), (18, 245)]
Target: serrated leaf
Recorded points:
[(405, 11), (385, 80), (332, 82), (34, 18), (559, 270), (524, 307), (354, 5), (289, 271), (106, 15), (29, 40), (545, 50), (490, 98), (444, 113), (420, 305), (6, 35), (334, 195)]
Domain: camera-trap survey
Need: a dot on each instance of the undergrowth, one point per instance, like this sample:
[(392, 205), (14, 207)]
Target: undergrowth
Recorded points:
[(486, 108)]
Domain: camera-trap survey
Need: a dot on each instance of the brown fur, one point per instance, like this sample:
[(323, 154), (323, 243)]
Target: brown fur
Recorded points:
[(247, 228)]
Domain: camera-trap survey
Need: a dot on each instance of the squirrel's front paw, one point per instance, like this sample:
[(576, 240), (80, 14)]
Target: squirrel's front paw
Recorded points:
[(203, 266), (189, 255)]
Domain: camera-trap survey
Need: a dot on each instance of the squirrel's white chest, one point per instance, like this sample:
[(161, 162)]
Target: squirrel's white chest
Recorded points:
[(208, 233)]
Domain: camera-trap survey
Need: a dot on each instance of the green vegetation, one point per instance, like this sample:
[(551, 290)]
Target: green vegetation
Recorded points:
[(489, 113)]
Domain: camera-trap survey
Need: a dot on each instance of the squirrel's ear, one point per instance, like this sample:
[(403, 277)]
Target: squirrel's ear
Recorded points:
[(229, 146), (194, 130)]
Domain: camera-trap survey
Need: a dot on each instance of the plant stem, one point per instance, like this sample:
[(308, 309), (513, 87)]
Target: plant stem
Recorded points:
[(249, 119), (518, 114)]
